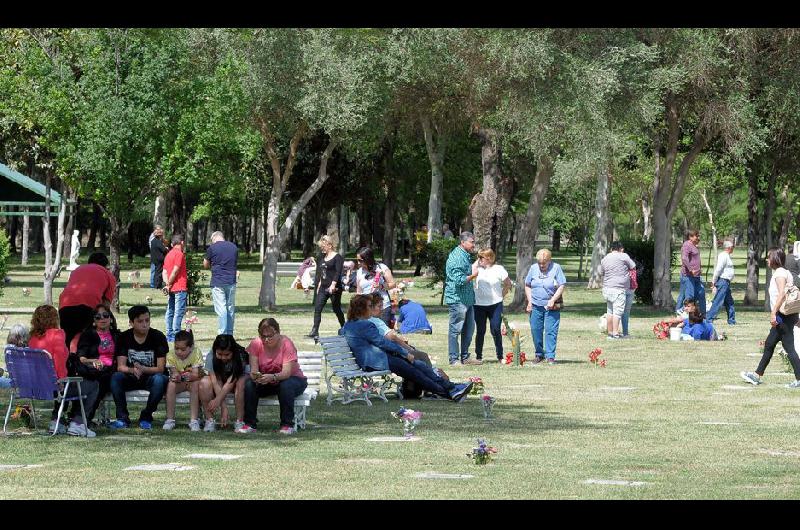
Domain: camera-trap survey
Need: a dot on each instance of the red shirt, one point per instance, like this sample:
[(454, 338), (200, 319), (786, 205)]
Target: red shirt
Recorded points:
[(88, 285), (272, 361), (176, 257), (53, 341)]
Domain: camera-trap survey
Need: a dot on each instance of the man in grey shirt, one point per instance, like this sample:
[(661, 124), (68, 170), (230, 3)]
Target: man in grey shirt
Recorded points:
[(721, 285), (615, 268)]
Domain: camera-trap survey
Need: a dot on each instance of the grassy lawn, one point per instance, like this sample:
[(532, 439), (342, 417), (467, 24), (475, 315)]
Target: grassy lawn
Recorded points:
[(672, 418)]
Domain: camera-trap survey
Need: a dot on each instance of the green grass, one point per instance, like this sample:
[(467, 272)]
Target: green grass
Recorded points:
[(555, 426)]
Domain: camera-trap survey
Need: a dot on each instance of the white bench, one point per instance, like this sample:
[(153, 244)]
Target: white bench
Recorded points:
[(356, 384), (310, 362)]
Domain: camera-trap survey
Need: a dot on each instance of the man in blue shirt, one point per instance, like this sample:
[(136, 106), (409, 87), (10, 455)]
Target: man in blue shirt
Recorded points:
[(459, 295), (222, 258), (412, 318)]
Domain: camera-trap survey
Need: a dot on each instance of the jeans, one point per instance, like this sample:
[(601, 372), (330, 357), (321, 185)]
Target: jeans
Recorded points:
[(156, 384), (783, 332), (462, 323), (287, 390), (319, 305), (421, 374), (495, 314), (722, 297), (627, 314), (176, 308), (545, 322), (152, 275), (692, 287), (224, 299)]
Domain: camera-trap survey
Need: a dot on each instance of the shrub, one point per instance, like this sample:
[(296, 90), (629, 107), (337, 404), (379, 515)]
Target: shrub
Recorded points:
[(434, 257), (642, 253), (195, 275), (5, 255)]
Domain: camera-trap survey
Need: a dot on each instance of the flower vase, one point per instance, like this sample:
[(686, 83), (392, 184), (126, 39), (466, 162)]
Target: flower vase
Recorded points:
[(481, 459), (515, 344), (487, 408), (408, 429)]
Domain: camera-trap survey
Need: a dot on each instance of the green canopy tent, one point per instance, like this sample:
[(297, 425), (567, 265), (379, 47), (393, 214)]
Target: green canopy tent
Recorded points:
[(21, 191)]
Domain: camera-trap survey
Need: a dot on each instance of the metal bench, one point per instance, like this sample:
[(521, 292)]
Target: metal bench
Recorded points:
[(356, 384), (310, 362)]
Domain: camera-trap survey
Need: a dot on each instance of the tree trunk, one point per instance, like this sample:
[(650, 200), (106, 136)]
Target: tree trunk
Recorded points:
[(488, 208), (178, 218), (67, 250), (767, 230), (344, 230), (529, 228), (600, 248), (160, 210), (647, 215), (788, 206), (26, 231), (713, 232), (117, 232), (52, 266), (389, 224), (435, 145), (751, 289)]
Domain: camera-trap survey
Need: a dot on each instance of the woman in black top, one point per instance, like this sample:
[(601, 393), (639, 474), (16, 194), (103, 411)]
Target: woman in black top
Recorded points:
[(96, 357), (328, 283)]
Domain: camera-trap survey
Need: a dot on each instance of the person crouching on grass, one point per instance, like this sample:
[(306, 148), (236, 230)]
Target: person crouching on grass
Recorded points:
[(184, 364), (227, 374)]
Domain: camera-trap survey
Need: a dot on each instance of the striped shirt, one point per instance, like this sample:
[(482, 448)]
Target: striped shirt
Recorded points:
[(457, 289)]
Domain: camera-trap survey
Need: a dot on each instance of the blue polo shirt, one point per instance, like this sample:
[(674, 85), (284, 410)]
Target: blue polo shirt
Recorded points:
[(412, 318), (223, 256)]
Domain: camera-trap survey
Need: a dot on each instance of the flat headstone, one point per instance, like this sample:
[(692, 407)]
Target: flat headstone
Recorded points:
[(525, 386), (375, 461), (719, 423), (780, 453), (694, 370), (446, 476), (10, 467), (737, 387), (209, 456), (618, 388), (159, 467), (604, 482), (754, 355), (394, 439)]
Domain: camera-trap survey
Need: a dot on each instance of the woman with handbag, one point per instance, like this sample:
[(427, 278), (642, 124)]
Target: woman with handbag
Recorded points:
[(544, 287), (782, 324), (96, 356)]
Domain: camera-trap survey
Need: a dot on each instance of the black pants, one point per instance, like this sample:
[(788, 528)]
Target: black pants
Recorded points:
[(287, 390), (319, 305), (784, 333), (75, 319), (495, 315), (90, 390), (104, 384)]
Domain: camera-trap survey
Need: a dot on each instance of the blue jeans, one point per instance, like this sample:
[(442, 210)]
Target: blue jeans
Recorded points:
[(681, 295), (462, 324), (692, 287), (422, 374), (544, 325), (495, 314), (5, 382), (224, 299), (156, 384), (627, 314), (176, 308), (152, 275), (722, 297)]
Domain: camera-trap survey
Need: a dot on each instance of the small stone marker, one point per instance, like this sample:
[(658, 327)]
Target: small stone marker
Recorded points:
[(754, 355), (159, 467), (737, 387), (213, 456), (434, 475), (780, 453), (614, 482), (719, 423), (394, 439), (10, 467), (694, 370), (618, 388)]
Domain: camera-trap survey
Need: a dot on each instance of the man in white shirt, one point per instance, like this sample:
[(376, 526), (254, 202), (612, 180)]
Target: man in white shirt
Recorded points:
[(721, 285)]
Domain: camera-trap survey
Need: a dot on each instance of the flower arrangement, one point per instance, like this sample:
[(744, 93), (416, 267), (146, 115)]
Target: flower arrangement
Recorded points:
[(24, 413), (477, 385), (26, 291), (661, 330), (410, 419), (482, 454), (487, 402), (149, 299), (594, 358), (133, 275), (191, 319), (510, 358), (515, 356), (136, 286)]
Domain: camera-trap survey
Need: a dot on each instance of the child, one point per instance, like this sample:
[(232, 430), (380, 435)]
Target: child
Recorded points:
[(696, 327), (184, 364), (227, 370)]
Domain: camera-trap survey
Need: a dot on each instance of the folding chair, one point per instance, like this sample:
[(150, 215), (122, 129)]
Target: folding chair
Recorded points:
[(33, 376)]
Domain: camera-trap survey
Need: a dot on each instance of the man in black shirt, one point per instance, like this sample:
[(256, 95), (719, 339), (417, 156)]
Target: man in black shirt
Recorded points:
[(158, 251), (141, 358)]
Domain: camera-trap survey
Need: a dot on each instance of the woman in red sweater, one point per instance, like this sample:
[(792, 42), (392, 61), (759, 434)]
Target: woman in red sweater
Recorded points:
[(46, 335)]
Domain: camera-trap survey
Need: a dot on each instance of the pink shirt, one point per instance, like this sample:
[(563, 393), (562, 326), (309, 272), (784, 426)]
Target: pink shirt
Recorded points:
[(272, 361), (106, 348), (53, 341)]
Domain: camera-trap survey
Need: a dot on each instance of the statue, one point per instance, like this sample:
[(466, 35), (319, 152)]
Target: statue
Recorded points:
[(75, 252)]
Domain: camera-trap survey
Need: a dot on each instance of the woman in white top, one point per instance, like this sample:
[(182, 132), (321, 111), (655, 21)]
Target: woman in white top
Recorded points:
[(491, 286), (782, 325), (375, 277)]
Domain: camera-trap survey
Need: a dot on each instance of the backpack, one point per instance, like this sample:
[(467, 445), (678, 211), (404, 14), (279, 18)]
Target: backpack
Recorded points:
[(791, 304)]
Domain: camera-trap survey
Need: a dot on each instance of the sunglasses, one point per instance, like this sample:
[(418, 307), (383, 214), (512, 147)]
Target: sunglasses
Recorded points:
[(101, 316)]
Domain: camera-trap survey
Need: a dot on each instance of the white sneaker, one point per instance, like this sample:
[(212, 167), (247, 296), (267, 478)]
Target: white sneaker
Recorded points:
[(169, 425), (79, 429), (751, 378), (194, 426), (61, 428), (238, 425), (794, 384), (211, 425)]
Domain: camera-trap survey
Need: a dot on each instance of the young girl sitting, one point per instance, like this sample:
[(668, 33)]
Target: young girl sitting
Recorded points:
[(226, 375), (184, 364)]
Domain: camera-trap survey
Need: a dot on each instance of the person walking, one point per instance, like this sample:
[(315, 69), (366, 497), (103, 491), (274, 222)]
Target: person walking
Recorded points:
[(491, 286), (544, 287), (782, 326), (721, 285), (615, 268), (691, 284), (158, 251), (459, 295), (328, 284), (222, 257), (176, 283)]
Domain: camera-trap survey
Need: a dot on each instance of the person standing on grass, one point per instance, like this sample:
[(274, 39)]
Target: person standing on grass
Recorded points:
[(328, 284), (544, 287), (222, 257), (721, 285), (491, 285), (176, 283), (373, 277), (615, 268), (157, 233), (691, 284), (141, 358), (184, 364), (158, 251), (88, 285), (782, 326), (459, 295)]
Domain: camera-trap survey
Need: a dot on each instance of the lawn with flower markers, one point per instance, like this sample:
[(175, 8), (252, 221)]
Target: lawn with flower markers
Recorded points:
[(646, 419)]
